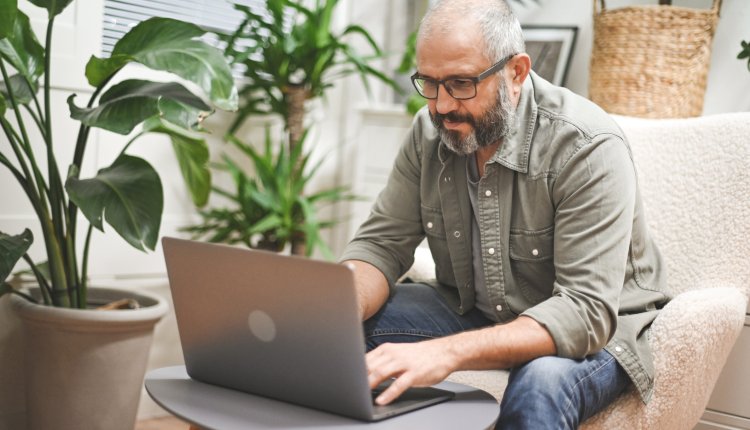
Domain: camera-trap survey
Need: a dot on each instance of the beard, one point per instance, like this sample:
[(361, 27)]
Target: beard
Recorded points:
[(496, 124)]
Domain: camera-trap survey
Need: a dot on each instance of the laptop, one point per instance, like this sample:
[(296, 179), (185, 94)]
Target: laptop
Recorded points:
[(278, 326)]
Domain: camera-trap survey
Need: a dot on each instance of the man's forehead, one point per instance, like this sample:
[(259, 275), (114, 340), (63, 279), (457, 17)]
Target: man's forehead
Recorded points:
[(445, 47)]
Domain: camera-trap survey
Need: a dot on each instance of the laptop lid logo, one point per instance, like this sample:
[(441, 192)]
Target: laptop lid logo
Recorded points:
[(261, 326)]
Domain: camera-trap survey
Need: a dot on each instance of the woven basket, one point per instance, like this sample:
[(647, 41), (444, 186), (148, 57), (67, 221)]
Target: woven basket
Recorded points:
[(651, 61)]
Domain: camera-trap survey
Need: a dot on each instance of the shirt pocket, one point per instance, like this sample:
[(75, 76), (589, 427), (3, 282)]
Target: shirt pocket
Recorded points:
[(532, 262), (434, 228), (432, 223)]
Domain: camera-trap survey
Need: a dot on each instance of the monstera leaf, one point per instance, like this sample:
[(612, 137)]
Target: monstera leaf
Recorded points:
[(128, 195), (8, 13), (172, 46), (12, 248), (192, 155), (129, 103), (23, 92), (22, 50), (54, 7)]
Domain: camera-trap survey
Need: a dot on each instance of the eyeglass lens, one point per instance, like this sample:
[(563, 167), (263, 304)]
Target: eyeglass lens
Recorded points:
[(457, 88)]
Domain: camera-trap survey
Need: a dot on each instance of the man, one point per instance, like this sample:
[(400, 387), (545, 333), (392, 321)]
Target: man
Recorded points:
[(528, 198)]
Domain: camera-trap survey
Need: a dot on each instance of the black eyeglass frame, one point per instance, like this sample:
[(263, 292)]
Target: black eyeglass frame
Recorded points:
[(476, 79)]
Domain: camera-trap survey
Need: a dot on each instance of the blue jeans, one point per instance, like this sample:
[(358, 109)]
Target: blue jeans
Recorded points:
[(545, 393)]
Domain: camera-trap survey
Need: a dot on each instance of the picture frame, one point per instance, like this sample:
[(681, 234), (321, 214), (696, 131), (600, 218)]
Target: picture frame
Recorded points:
[(551, 50)]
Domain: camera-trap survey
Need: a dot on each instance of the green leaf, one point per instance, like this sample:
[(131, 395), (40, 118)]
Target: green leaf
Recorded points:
[(172, 46), (362, 32), (192, 154), (12, 248), (270, 222), (128, 195), (2, 105), (98, 70), (8, 12), (53, 6), (182, 115), (22, 49), (130, 102), (21, 90)]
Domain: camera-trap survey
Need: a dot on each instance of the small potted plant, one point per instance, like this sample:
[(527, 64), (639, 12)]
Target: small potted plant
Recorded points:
[(85, 367), (292, 54), (269, 208)]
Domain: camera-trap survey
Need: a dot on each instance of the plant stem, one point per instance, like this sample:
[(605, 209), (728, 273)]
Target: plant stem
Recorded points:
[(72, 218), (24, 295), (37, 119), (44, 286), (23, 141), (130, 142), (52, 242), (82, 292), (60, 221)]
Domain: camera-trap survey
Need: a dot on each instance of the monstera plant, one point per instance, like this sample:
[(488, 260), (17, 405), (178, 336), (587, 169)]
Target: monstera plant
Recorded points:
[(127, 194)]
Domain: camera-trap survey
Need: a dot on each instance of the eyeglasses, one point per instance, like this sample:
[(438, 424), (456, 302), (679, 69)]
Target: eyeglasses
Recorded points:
[(458, 88)]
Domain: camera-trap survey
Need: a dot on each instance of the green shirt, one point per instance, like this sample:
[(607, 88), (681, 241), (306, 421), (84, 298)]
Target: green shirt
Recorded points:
[(562, 227)]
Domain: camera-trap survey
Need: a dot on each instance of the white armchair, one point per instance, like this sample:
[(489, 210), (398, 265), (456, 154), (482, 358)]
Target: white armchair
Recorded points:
[(695, 181)]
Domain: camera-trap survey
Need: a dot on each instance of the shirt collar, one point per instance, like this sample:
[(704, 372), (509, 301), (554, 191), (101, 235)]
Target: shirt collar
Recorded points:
[(513, 153)]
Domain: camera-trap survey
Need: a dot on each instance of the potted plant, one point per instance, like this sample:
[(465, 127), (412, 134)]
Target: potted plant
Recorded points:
[(68, 346), (291, 55), (269, 209)]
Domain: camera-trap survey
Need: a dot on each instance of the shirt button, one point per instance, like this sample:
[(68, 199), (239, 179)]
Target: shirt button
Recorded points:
[(499, 308), (488, 193), (429, 225), (457, 234), (534, 252), (618, 349), (491, 251)]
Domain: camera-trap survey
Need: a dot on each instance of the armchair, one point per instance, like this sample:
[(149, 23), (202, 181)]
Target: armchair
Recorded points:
[(694, 180)]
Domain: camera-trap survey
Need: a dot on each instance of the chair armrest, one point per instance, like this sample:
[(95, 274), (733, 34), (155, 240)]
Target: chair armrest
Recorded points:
[(691, 340)]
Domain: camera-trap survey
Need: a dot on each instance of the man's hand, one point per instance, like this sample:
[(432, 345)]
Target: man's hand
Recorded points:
[(418, 364), (425, 363)]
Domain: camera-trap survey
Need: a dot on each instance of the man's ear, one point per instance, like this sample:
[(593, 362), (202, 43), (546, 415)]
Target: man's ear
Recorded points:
[(520, 66)]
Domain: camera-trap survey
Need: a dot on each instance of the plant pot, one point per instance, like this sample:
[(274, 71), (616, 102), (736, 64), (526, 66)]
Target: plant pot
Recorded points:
[(84, 368)]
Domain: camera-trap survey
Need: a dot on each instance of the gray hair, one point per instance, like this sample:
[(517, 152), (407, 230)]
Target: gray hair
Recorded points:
[(498, 25)]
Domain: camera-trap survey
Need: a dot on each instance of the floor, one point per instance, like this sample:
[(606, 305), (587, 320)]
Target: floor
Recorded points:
[(164, 423)]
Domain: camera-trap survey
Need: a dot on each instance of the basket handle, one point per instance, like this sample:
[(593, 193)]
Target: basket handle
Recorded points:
[(715, 8), (596, 7)]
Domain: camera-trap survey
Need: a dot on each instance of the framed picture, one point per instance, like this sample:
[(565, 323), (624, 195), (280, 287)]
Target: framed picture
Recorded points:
[(550, 49)]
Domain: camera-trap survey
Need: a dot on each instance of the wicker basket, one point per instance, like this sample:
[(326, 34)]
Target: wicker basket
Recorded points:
[(651, 61)]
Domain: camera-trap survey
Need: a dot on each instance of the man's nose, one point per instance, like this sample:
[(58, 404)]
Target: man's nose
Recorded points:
[(445, 102)]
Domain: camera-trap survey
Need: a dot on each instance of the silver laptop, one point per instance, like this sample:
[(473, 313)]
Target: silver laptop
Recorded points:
[(277, 326)]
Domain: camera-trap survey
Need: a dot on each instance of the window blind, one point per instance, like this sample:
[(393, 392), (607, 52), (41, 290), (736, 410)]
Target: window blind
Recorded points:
[(211, 15)]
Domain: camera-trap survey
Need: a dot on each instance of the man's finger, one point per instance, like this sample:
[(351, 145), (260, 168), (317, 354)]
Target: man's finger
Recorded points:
[(397, 387)]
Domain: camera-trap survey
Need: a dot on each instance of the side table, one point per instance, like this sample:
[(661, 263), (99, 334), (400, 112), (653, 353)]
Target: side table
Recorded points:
[(213, 407)]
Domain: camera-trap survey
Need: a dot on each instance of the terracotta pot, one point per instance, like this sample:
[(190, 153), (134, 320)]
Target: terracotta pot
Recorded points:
[(84, 368)]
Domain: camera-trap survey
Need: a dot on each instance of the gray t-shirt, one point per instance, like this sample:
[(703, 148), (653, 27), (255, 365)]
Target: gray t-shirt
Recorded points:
[(482, 298)]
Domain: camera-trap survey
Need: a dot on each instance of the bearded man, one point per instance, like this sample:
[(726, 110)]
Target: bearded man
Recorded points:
[(528, 198)]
